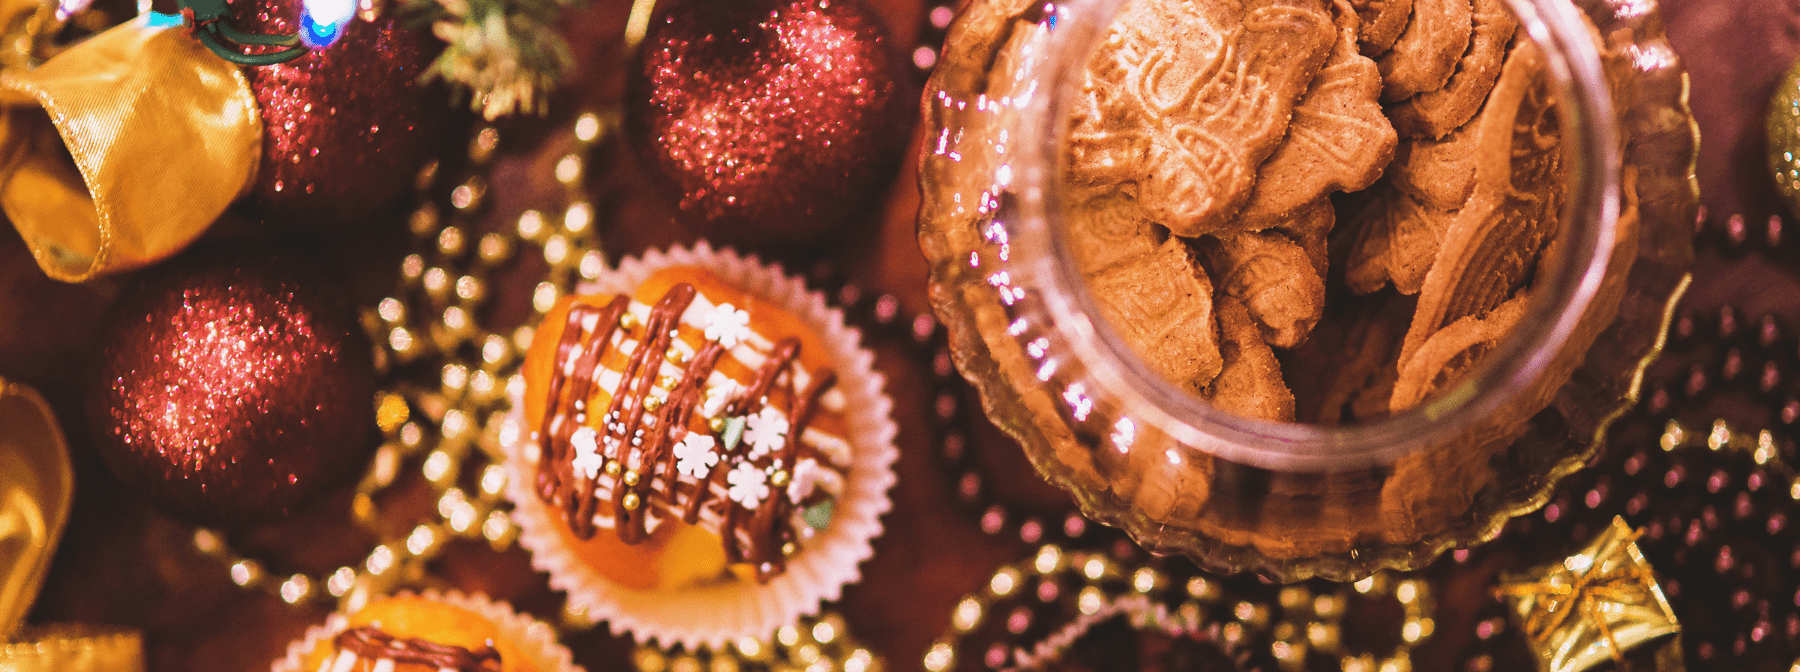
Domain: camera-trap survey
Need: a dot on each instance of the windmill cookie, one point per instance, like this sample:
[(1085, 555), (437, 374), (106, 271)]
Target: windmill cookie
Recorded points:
[(1434, 114), (1439, 173), (1338, 139), (1185, 99), (1109, 230), (1452, 352), (1310, 229), (1491, 246), (1394, 238), (1346, 370), (1250, 383), (1161, 304), (1272, 276), (1427, 52), (1396, 235), (1382, 22)]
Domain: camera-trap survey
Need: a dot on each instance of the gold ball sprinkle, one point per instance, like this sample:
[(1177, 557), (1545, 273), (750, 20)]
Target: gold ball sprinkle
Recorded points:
[(653, 403), (630, 502), (779, 479), (631, 477), (715, 424), (789, 548), (628, 321), (613, 468)]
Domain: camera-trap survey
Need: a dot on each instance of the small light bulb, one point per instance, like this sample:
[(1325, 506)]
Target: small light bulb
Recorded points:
[(322, 22)]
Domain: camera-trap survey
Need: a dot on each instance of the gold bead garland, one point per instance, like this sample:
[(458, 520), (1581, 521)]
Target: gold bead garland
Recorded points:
[(815, 644), (456, 424), (1093, 586), (1763, 446)]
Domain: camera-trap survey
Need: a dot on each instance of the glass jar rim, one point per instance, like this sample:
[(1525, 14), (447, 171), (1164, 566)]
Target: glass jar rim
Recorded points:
[(1562, 297)]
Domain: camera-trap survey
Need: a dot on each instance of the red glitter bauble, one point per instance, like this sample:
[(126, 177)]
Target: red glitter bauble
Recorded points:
[(774, 119), (230, 389), (345, 128)]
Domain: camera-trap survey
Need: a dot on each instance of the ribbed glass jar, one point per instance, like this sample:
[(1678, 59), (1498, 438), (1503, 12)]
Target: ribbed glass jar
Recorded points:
[(1293, 500)]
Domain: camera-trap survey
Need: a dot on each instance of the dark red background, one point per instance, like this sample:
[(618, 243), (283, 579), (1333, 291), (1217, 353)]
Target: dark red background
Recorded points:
[(124, 563)]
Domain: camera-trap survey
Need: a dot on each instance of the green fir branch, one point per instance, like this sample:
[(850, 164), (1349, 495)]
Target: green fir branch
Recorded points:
[(505, 53)]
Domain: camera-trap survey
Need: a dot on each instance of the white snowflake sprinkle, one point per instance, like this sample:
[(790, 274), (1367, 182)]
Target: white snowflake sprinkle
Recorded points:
[(809, 476), (767, 431), (749, 485), (718, 397), (694, 456), (587, 460), (728, 325)]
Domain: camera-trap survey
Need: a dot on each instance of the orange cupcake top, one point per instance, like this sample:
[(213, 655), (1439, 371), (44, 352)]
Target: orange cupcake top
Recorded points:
[(689, 432), (414, 634)]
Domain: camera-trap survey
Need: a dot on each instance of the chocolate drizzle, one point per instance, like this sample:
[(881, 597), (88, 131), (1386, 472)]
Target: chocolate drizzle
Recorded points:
[(371, 644), (638, 434)]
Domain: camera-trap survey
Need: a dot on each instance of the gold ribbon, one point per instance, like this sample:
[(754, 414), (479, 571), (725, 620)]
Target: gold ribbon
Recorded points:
[(1593, 606), (35, 497), (74, 648), (119, 151)]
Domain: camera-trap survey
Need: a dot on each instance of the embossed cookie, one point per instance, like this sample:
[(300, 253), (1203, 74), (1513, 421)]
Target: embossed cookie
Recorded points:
[(1250, 383), (1395, 235), (1452, 352), (1490, 247), (1187, 98), (1427, 52), (1382, 21), (1310, 229), (1338, 139), (1434, 114), (1108, 230), (1346, 370), (1161, 303), (1394, 238), (1272, 276), (1439, 173)]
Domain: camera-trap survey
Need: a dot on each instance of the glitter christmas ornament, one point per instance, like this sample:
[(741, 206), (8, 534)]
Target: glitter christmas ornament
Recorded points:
[(345, 127), (231, 388), (773, 119)]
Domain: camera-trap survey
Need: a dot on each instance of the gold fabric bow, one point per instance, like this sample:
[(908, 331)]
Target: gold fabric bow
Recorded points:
[(1593, 606), (121, 150)]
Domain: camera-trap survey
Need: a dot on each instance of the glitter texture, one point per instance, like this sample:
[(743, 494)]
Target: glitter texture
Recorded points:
[(344, 128), (231, 389), (774, 119)]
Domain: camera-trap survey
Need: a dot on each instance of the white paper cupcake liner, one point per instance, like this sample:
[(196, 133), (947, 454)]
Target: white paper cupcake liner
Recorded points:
[(714, 615), (536, 638)]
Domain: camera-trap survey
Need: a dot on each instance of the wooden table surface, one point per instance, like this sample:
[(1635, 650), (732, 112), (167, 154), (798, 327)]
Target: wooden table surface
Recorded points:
[(122, 562)]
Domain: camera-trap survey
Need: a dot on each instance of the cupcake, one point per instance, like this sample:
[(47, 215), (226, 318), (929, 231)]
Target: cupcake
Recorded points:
[(701, 450), (432, 632)]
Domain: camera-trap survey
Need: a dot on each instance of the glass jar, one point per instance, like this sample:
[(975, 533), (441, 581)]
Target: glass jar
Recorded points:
[(1290, 500)]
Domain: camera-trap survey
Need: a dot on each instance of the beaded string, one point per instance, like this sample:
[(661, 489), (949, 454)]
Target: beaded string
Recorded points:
[(450, 431), (1040, 609)]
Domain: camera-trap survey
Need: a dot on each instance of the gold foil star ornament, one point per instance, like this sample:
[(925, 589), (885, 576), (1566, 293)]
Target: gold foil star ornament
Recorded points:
[(1593, 606)]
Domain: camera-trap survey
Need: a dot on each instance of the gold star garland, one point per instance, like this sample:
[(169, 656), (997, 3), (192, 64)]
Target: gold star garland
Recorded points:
[(1088, 587)]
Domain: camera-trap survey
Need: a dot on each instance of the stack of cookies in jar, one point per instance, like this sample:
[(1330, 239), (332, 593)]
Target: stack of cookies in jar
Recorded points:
[(1313, 210)]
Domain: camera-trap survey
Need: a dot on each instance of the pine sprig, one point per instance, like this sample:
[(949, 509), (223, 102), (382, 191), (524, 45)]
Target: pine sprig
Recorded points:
[(505, 53)]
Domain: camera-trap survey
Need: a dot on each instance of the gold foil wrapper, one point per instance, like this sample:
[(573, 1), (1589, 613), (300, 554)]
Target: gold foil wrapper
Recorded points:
[(121, 150), (1593, 606), (35, 495), (74, 648)]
